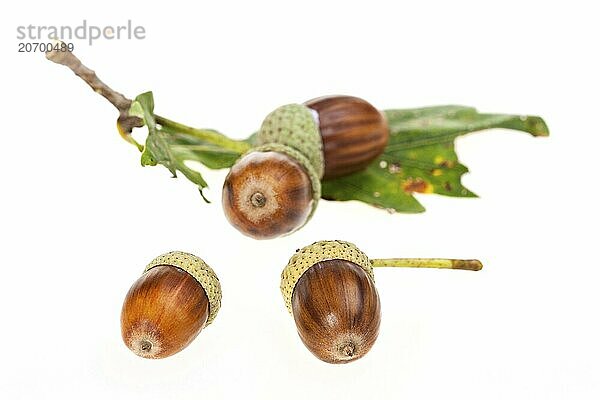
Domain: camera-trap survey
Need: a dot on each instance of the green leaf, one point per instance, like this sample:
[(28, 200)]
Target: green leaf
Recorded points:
[(211, 156), (159, 148), (372, 187), (194, 149), (420, 156)]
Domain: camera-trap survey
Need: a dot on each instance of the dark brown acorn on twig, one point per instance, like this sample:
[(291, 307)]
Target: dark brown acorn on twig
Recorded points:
[(168, 306), (354, 133), (329, 289), (274, 188)]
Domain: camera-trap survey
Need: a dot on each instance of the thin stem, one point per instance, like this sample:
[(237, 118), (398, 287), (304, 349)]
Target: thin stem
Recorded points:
[(126, 122), (208, 135), (469, 265)]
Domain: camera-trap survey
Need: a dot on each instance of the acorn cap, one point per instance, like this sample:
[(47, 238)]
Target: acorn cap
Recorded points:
[(296, 126), (315, 181), (315, 253), (197, 268)]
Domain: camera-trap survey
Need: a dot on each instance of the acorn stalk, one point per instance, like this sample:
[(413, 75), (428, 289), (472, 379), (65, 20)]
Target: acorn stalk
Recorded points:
[(441, 263)]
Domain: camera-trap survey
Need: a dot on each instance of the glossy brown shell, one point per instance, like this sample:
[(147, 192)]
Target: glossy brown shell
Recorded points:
[(267, 194), (165, 309), (337, 311), (354, 133)]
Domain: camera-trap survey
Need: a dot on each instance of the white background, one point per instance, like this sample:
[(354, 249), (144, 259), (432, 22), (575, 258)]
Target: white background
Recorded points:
[(80, 218)]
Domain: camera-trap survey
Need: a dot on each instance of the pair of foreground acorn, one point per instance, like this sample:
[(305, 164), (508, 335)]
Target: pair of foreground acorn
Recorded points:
[(272, 190), (328, 287)]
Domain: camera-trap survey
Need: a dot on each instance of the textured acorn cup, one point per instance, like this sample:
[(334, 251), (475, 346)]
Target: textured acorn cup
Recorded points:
[(168, 306), (268, 194), (329, 288), (353, 132)]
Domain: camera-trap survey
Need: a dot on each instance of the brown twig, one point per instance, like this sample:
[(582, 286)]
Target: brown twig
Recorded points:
[(125, 122)]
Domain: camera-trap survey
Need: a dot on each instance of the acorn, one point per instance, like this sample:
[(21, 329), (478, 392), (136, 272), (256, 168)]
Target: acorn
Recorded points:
[(354, 133), (167, 307), (274, 189), (270, 193), (329, 288)]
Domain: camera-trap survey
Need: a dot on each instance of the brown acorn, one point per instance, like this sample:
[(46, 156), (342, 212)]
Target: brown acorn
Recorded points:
[(329, 288), (267, 194), (325, 138), (168, 306), (354, 133), (336, 309)]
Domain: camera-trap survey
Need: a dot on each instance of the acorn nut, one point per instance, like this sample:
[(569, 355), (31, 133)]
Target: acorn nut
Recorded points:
[(354, 133), (274, 189), (268, 194), (329, 289), (167, 307)]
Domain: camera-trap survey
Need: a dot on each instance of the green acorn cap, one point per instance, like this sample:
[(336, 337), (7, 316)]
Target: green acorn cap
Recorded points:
[(315, 253), (295, 125)]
